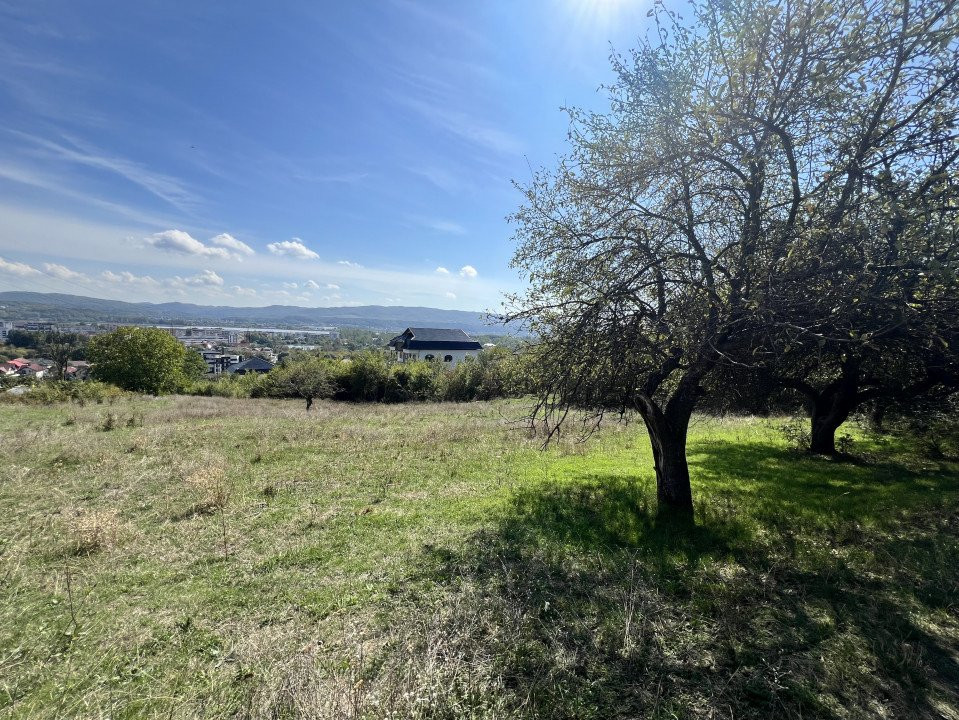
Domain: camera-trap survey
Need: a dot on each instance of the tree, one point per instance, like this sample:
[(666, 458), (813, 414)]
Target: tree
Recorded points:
[(866, 305), (23, 338), (139, 359), (194, 366), (309, 379), (731, 152), (61, 347)]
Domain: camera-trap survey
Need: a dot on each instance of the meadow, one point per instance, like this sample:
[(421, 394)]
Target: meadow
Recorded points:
[(187, 557)]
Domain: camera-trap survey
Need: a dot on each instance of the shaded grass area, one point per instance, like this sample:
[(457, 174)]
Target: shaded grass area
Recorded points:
[(429, 561)]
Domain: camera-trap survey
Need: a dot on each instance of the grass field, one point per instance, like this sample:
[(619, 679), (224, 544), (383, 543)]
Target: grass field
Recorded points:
[(203, 557)]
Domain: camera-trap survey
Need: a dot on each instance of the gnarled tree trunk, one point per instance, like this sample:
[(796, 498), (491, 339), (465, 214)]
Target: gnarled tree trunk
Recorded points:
[(831, 408), (667, 435)]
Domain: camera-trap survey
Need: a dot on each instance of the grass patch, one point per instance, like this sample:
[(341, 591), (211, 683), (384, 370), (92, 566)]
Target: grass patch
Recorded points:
[(246, 559)]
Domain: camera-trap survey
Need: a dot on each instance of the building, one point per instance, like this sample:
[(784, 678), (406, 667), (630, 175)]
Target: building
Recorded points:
[(37, 326), (440, 344), (5, 327), (253, 365), (218, 363)]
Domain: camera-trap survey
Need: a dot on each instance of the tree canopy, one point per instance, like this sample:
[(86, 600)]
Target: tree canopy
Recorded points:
[(716, 216), (139, 359)]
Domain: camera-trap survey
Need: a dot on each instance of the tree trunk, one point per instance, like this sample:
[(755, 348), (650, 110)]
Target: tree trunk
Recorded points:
[(823, 438), (831, 408), (667, 435), (309, 403), (673, 491)]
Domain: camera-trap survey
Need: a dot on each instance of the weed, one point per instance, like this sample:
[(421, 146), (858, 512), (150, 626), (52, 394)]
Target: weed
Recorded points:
[(91, 530), (796, 434), (108, 423), (210, 490)]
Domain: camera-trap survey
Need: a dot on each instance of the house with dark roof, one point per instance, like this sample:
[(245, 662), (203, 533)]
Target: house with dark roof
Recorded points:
[(439, 344), (253, 365)]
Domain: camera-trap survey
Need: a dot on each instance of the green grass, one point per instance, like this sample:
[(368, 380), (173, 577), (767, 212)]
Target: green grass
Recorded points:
[(431, 561)]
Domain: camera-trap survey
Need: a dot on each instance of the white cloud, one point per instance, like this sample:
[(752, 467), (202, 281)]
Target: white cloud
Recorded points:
[(332, 286), (63, 272), (225, 240), (468, 271), (347, 263), (177, 241), (16, 268), (451, 296), (128, 277), (293, 248), (312, 285), (290, 286), (243, 290), (441, 271), (207, 278)]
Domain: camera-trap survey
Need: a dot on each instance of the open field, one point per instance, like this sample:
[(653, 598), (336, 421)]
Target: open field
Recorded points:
[(184, 557)]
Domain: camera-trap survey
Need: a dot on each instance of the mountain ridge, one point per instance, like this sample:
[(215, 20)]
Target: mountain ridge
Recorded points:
[(59, 307)]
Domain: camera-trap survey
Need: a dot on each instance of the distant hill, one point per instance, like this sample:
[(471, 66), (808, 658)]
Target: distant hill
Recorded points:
[(56, 307)]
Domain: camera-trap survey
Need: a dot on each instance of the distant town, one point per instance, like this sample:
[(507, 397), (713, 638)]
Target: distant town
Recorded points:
[(224, 349)]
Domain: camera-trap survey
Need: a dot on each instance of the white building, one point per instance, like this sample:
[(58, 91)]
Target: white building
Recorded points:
[(439, 344), (5, 327)]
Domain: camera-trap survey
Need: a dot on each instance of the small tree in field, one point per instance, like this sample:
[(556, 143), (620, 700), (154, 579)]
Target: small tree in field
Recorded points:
[(139, 359), (735, 152), (307, 379)]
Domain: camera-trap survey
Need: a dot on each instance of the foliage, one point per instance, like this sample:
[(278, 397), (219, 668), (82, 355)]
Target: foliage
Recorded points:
[(738, 197), (194, 366), (309, 378), (371, 377), (24, 338), (60, 391), (145, 360), (61, 348)]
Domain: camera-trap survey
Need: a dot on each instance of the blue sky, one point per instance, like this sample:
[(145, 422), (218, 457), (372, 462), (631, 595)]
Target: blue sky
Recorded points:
[(307, 153)]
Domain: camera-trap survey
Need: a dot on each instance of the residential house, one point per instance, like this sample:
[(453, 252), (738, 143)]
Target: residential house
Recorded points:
[(13, 367), (440, 344), (253, 365), (78, 370)]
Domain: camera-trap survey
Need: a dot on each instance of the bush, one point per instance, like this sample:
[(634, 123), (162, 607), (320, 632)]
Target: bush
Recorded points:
[(370, 377), (58, 391)]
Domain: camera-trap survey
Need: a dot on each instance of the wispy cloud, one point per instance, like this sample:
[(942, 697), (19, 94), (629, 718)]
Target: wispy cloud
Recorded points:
[(440, 225), (441, 271), (165, 187), (463, 126)]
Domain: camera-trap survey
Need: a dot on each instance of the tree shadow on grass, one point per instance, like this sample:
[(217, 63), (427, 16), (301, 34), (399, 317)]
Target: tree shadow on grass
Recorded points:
[(583, 604)]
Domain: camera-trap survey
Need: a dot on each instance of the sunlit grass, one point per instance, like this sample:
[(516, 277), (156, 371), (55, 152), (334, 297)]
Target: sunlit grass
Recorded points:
[(354, 516)]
